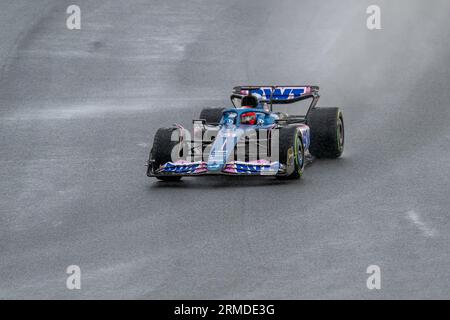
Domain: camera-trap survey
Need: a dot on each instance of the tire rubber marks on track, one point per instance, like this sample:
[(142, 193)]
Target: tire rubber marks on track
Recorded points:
[(427, 230)]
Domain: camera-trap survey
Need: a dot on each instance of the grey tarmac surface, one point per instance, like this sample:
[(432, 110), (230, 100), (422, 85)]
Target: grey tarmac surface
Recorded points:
[(78, 111)]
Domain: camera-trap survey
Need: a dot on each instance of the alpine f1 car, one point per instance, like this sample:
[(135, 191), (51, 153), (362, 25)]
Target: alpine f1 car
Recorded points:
[(250, 138)]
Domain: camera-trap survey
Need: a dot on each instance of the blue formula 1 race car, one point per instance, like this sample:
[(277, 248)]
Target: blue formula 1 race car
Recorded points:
[(250, 138)]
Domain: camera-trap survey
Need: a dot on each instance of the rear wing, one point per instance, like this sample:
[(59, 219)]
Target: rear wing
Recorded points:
[(279, 94)]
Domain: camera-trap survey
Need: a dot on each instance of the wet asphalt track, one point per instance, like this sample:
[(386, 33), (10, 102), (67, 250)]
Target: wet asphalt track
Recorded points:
[(78, 110)]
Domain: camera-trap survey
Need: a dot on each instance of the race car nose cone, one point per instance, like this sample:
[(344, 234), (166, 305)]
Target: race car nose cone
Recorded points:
[(214, 166)]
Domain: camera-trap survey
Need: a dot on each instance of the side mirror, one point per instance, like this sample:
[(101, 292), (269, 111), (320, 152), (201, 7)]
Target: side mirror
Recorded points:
[(198, 122), (281, 121)]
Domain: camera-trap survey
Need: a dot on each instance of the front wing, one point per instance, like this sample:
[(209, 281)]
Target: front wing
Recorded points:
[(186, 168)]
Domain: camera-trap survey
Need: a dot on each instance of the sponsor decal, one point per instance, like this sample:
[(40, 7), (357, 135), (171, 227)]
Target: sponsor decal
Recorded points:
[(280, 93), (261, 167), (184, 167)]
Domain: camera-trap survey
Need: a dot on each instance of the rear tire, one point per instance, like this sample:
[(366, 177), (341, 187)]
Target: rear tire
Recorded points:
[(161, 151), (291, 150), (211, 115), (327, 132)]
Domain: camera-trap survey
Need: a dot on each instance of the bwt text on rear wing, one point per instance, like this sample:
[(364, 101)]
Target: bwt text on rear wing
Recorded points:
[(279, 94)]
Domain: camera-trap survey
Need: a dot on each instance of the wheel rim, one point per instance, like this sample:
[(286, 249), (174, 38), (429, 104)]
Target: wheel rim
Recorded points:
[(300, 160), (340, 134)]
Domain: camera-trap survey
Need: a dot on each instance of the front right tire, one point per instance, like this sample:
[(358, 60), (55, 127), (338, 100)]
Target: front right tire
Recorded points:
[(291, 152), (161, 151)]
